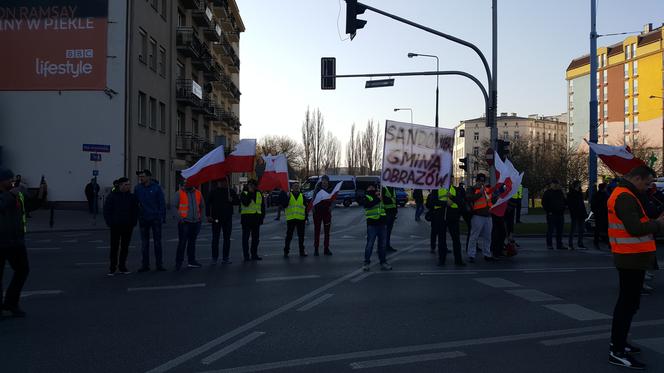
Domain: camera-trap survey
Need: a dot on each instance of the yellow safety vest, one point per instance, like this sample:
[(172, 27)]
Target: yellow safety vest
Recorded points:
[(393, 202), (295, 209), (375, 212), (445, 194), (254, 207), (519, 193)]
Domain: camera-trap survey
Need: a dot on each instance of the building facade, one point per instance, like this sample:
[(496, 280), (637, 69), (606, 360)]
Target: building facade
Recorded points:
[(471, 138), (172, 95), (629, 92)]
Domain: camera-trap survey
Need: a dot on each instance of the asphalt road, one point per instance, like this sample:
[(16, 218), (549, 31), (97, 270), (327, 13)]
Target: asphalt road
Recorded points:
[(541, 311)]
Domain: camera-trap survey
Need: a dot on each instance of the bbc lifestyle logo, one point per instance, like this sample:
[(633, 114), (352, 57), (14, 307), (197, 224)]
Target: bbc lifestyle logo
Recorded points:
[(74, 69)]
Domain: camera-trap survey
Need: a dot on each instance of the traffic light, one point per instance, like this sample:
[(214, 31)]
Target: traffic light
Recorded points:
[(503, 148), (464, 163), (352, 23), (328, 68)]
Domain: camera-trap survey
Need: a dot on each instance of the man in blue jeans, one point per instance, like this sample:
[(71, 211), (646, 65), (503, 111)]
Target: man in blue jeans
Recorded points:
[(376, 228), (152, 213), (191, 205)]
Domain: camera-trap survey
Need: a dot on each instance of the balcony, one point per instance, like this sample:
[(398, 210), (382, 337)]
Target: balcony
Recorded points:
[(209, 109), (187, 42), (201, 63), (188, 144), (213, 71), (213, 34), (202, 15), (235, 92), (190, 4), (188, 92)]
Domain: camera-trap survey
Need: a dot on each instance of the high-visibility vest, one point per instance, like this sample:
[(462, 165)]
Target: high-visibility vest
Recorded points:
[(621, 241), (183, 207), (295, 209), (519, 193), (484, 201), (254, 207), (375, 212), (24, 217), (392, 202), (446, 195)]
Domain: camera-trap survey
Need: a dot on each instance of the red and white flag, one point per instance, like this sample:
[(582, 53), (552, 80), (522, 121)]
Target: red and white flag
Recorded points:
[(618, 158), (276, 173), (508, 180), (215, 166), (325, 196)]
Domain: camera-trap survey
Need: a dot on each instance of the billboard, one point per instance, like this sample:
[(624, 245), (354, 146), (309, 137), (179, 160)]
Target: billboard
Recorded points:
[(53, 44), (413, 159)]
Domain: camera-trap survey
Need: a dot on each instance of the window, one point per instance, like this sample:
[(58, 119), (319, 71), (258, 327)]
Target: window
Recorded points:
[(476, 136), (636, 123), (182, 19), (152, 57), (162, 117), (162, 62), (628, 52), (625, 139), (462, 133), (606, 110), (604, 60), (537, 135), (626, 87), (347, 185), (626, 106), (153, 113), (194, 125), (142, 165), (180, 70), (626, 125), (162, 171), (635, 68), (597, 92), (153, 166), (506, 135), (634, 50), (142, 108), (476, 151), (180, 123), (143, 51), (626, 68), (605, 76), (597, 77), (635, 87), (549, 136), (571, 86), (606, 93), (635, 105), (516, 135), (554, 137), (164, 10)]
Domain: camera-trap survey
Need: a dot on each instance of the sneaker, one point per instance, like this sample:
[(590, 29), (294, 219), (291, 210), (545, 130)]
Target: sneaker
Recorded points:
[(630, 349), (110, 274), (385, 267), (285, 255), (649, 276), (194, 265), (125, 271), (144, 269), (366, 267), (647, 287), (625, 360)]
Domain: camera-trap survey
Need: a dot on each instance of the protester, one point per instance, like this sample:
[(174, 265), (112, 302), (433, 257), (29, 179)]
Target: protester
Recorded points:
[(437, 205), (553, 202), (498, 226), (251, 218), (577, 212), (152, 214), (464, 209), (91, 193), (633, 247), (481, 225), (13, 221), (452, 215), (191, 205), (390, 206), (322, 215), (219, 212), (294, 206), (600, 214), (518, 198), (121, 215), (376, 228), (419, 203)]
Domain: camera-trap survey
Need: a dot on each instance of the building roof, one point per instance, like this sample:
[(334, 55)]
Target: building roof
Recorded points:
[(614, 49), (651, 37)]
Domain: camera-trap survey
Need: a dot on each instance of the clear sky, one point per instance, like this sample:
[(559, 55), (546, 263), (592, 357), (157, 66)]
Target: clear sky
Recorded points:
[(281, 48)]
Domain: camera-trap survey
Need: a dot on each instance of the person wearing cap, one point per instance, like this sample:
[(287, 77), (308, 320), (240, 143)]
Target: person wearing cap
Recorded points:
[(322, 216), (191, 207), (553, 202), (152, 214), (479, 197), (376, 228), (12, 243), (251, 218), (121, 215)]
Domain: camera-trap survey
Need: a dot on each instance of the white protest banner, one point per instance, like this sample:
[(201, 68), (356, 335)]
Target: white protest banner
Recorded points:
[(412, 159)]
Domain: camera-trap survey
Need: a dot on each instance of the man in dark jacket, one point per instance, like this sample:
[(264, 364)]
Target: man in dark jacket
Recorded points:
[(121, 215), (419, 203), (436, 215), (91, 193), (577, 212), (150, 218), (219, 212), (553, 202), (12, 243), (600, 214), (322, 216), (251, 218)]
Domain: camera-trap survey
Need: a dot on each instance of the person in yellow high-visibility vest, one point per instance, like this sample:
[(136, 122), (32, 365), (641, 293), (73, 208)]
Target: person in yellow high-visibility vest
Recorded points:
[(251, 218), (294, 204)]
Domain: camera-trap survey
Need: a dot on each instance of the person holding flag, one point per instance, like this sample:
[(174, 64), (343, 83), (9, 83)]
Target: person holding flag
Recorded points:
[(322, 207), (294, 207), (251, 218)]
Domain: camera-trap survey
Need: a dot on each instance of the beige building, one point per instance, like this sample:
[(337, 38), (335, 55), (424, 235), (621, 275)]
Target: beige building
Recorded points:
[(471, 137)]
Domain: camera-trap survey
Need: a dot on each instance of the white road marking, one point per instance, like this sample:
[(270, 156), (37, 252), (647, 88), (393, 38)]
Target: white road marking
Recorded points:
[(577, 312), (445, 273), (231, 347), (361, 277), (348, 237), (530, 271), (655, 344), (286, 278), (421, 348), (148, 288), (497, 282), (581, 338), (315, 302), (406, 360), (414, 236), (40, 292), (43, 248), (533, 295)]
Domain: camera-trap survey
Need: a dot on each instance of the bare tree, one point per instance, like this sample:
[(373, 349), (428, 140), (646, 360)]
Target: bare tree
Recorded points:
[(368, 145), (331, 152), (378, 149), (351, 160), (308, 146), (319, 140)]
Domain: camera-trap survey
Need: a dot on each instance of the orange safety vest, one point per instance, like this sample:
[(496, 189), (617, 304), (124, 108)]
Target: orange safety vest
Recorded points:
[(183, 207), (621, 241), (484, 201)]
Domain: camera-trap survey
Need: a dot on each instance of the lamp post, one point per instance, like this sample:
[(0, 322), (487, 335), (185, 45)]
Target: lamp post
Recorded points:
[(411, 55), (661, 98), (406, 108)]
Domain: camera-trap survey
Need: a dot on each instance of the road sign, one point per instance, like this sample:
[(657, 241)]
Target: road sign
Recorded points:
[(95, 157), (488, 156), (95, 172), (379, 83), (96, 148)]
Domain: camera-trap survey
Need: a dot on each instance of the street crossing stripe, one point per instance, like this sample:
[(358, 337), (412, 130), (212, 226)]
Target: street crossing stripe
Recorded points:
[(406, 360), (147, 288), (286, 278), (232, 347), (581, 338), (577, 312), (497, 282), (28, 293), (533, 295), (315, 302)]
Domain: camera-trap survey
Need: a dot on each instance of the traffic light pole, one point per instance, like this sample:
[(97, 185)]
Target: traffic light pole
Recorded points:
[(592, 131)]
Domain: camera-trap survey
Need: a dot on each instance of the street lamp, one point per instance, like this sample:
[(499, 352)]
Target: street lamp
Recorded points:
[(661, 98), (411, 55), (406, 108)]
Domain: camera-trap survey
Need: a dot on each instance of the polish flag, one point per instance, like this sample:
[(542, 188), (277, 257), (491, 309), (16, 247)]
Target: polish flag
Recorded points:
[(276, 173), (215, 166), (325, 196), (508, 182), (618, 158)]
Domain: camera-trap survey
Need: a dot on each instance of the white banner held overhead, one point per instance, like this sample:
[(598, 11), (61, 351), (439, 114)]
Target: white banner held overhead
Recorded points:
[(413, 159)]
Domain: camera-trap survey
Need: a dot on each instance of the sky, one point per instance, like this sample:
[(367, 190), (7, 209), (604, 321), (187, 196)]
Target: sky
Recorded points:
[(281, 48)]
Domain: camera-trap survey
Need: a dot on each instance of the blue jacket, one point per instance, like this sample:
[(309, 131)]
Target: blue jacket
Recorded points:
[(151, 200)]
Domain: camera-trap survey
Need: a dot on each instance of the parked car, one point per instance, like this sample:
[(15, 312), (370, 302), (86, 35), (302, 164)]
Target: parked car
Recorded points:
[(402, 196), (346, 195)]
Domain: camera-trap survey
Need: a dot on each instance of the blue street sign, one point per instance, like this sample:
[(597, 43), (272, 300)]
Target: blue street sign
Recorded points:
[(95, 172), (96, 148), (95, 157)]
